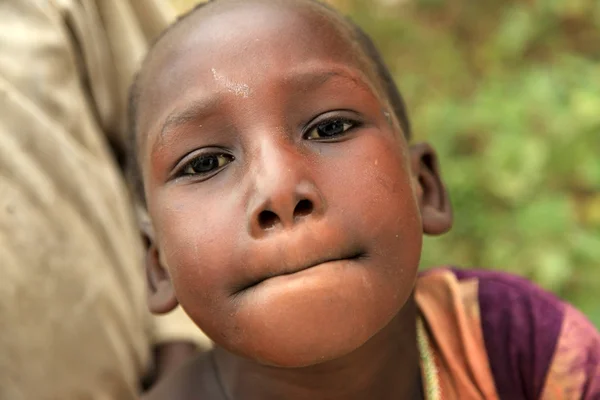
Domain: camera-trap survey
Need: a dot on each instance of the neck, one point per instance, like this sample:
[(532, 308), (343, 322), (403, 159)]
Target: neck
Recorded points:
[(385, 367)]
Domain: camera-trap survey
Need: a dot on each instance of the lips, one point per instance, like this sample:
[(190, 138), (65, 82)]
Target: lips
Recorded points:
[(289, 270)]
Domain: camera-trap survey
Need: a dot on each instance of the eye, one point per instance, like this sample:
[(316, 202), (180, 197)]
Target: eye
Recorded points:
[(330, 129), (206, 164)]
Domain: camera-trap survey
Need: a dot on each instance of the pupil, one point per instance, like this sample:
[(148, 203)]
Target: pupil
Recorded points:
[(331, 128), (205, 164)]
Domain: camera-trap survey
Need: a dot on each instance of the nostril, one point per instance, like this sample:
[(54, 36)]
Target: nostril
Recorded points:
[(267, 219), (303, 208)]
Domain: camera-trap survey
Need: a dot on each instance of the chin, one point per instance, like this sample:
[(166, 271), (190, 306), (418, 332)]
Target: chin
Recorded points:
[(310, 350), (327, 315)]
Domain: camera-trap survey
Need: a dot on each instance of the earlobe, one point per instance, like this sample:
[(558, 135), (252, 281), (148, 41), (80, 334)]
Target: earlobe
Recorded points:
[(161, 295), (436, 210)]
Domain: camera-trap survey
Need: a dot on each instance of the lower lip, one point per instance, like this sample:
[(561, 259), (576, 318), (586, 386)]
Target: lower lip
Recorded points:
[(308, 272)]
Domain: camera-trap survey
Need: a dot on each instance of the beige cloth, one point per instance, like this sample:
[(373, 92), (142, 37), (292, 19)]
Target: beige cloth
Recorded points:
[(73, 320)]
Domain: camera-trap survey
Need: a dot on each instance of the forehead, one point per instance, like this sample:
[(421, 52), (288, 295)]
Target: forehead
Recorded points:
[(242, 42), (227, 27)]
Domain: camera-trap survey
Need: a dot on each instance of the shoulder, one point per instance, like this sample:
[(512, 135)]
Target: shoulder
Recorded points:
[(512, 303), (531, 335), (575, 368), (506, 299), (193, 381)]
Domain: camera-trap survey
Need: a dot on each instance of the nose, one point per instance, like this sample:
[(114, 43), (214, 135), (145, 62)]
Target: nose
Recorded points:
[(284, 193)]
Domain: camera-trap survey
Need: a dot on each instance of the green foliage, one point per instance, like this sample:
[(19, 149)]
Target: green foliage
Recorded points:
[(508, 92)]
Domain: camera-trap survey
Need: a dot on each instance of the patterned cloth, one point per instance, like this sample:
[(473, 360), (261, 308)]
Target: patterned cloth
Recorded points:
[(497, 336), (73, 318)]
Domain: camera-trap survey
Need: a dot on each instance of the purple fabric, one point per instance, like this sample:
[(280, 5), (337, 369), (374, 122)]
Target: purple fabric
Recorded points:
[(521, 324)]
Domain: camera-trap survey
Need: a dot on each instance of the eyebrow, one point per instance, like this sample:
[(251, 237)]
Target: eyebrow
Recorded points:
[(307, 79), (190, 112), (315, 78)]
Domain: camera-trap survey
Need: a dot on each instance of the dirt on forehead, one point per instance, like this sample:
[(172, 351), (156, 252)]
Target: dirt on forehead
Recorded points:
[(198, 31), (214, 19)]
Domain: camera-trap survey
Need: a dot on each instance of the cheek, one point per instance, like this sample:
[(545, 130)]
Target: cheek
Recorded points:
[(375, 182), (195, 244), (377, 186)]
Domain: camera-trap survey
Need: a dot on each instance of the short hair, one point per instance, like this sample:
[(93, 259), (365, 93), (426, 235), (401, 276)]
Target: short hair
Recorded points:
[(365, 43)]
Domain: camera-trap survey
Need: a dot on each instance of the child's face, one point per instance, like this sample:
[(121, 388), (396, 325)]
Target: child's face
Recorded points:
[(281, 196)]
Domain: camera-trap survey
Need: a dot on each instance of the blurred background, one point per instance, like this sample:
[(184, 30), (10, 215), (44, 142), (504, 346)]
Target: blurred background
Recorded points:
[(508, 92)]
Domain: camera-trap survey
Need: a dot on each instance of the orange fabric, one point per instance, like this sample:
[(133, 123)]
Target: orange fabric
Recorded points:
[(450, 310)]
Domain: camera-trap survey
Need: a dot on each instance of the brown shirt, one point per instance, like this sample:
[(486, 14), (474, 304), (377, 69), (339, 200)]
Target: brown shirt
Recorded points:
[(73, 319)]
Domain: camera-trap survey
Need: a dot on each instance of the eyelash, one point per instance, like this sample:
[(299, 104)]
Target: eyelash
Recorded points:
[(222, 159), (347, 125)]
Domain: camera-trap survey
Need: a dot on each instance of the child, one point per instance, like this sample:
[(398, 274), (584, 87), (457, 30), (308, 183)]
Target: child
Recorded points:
[(286, 217)]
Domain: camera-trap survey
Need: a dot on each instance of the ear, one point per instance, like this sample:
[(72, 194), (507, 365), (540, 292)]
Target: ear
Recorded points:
[(436, 210), (161, 295)]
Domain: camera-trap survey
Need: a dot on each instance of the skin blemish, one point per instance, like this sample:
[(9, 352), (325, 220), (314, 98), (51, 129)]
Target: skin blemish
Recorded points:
[(239, 89), (388, 117)]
